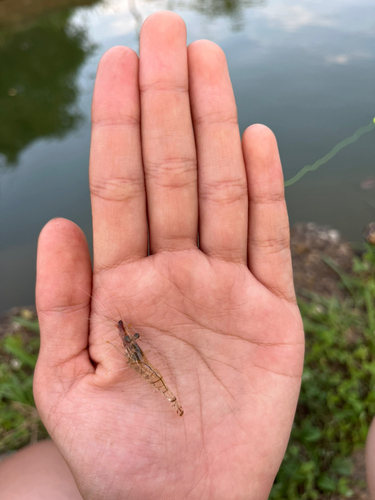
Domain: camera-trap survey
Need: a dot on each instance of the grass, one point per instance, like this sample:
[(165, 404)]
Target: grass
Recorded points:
[(336, 404), (337, 400), (19, 420)]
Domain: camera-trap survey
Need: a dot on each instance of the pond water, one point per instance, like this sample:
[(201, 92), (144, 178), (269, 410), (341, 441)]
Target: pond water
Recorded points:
[(304, 68)]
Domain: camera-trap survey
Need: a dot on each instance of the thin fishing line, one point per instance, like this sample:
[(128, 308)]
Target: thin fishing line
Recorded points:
[(331, 154)]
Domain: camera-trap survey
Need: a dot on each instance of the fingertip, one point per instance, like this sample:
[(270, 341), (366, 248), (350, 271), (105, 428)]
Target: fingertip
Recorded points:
[(261, 154), (162, 19), (205, 47), (208, 68), (162, 45), (259, 136), (116, 74), (60, 227), (63, 258), (115, 53), (112, 58)]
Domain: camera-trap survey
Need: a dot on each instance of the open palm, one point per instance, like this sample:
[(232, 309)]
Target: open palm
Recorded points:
[(216, 316)]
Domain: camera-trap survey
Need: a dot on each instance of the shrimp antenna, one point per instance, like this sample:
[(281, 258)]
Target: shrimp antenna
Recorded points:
[(101, 303), (117, 349), (104, 290)]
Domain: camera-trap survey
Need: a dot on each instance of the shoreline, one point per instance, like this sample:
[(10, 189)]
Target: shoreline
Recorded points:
[(310, 245)]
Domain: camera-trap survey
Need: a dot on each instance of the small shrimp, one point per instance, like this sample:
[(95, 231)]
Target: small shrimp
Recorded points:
[(139, 362)]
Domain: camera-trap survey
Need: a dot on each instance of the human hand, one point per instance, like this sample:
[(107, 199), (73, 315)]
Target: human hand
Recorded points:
[(221, 320)]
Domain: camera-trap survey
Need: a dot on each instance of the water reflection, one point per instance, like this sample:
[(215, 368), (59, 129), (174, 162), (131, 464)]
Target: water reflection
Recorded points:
[(233, 9), (136, 13), (17, 13), (38, 88), (306, 70)]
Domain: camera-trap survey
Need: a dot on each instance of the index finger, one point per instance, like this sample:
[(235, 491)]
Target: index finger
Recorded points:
[(117, 188)]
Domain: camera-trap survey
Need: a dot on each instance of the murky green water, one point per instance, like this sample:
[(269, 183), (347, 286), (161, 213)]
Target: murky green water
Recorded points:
[(304, 68)]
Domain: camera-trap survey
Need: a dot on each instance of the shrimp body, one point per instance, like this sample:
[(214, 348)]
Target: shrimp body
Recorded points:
[(139, 362)]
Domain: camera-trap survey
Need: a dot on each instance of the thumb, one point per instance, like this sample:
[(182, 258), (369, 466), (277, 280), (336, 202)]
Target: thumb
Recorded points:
[(63, 304)]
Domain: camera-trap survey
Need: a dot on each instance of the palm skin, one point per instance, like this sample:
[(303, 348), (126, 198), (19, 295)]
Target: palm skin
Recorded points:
[(221, 320)]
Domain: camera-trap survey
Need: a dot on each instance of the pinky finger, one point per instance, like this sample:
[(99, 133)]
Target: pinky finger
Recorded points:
[(269, 256)]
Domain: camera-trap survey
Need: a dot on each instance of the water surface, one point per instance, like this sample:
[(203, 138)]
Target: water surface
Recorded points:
[(304, 68)]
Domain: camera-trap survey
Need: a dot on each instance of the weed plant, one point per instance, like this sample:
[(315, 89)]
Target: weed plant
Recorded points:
[(19, 420), (337, 399)]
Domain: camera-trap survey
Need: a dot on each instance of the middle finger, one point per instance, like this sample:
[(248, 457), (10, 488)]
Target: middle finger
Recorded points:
[(168, 145)]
